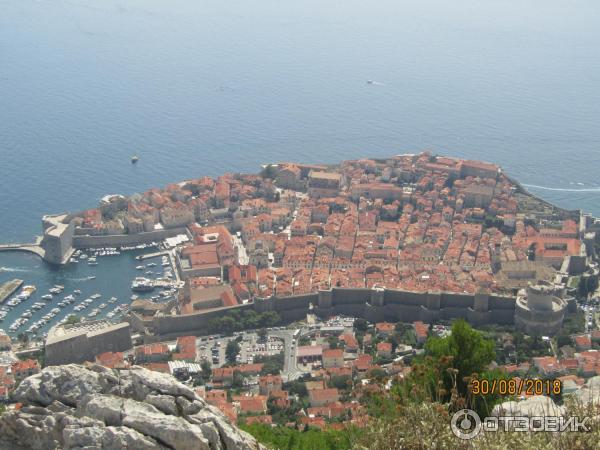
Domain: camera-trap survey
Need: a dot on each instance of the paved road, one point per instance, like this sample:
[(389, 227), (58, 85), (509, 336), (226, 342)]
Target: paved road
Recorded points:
[(289, 353), (290, 368), (243, 257)]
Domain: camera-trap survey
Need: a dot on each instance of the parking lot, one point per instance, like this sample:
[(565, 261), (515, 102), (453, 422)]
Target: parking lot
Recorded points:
[(212, 348)]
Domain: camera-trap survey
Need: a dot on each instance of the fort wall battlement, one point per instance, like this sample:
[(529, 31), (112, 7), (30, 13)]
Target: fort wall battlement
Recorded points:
[(375, 305)]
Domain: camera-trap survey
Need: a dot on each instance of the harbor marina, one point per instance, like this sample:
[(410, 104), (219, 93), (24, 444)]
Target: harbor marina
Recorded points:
[(89, 291)]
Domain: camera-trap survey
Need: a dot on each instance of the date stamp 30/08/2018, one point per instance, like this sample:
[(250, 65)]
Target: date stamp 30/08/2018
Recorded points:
[(516, 386)]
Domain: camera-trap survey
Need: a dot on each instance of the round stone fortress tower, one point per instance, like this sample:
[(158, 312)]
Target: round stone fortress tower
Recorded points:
[(540, 311)]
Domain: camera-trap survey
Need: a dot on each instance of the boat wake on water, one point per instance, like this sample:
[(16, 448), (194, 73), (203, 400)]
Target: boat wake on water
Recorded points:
[(562, 189), (13, 269), (81, 279)]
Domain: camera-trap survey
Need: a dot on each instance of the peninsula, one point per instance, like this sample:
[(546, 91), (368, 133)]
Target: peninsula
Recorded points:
[(292, 296), (412, 237)]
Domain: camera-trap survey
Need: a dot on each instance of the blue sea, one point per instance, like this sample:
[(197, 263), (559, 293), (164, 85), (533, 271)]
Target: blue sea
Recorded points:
[(204, 87)]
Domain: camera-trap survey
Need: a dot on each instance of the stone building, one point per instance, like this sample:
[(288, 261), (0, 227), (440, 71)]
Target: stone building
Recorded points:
[(81, 342), (58, 238), (324, 184), (540, 311)]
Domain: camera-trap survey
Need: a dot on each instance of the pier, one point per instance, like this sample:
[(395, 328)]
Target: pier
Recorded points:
[(168, 253), (34, 247), (8, 288), (151, 255)]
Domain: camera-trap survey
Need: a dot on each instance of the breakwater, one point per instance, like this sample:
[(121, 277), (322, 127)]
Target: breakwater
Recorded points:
[(8, 288)]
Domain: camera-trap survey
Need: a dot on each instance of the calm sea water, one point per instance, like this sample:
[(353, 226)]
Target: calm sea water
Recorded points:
[(203, 87)]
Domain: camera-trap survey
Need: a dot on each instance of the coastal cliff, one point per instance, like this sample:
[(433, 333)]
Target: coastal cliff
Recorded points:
[(92, 407)]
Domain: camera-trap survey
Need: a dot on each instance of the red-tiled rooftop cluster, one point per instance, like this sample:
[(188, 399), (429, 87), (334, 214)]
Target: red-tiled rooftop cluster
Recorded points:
[(411, 222)]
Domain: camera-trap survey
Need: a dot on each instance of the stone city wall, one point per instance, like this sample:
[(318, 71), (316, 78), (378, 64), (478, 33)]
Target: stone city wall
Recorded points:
[(190, 324), (375, 305), (84, 347)]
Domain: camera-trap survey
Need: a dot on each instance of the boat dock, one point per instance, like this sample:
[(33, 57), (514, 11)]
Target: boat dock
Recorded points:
[(151, 255), (168, 254), (8, 288)]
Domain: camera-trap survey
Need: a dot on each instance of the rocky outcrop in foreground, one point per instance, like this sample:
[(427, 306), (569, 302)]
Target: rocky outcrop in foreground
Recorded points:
[(92, 407)]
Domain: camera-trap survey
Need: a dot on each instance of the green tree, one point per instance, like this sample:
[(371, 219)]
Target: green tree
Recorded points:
[(231, 351), (250, 320), (592, 284), (341, 382), (238, 320), (562, 340), (377, 373), (272, 364), (23, 338), (283, 415), (469, 351), (304, 340), (361, 324), (262, 334), (333, 342), (582, 287), (296, 387), (42, 359), (73, 319), (269, 172), (206, 369), (238, 379), (228, 324), (269, 319), (287, 438)]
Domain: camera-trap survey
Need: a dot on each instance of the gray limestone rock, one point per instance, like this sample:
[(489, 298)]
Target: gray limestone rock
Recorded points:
[(91, 407), (212, 434), (173, 431), (188, 408), (66, 384), (106, 408), (161, 383), (107, 438), (20, 430), (164, 403), (231, 437)]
